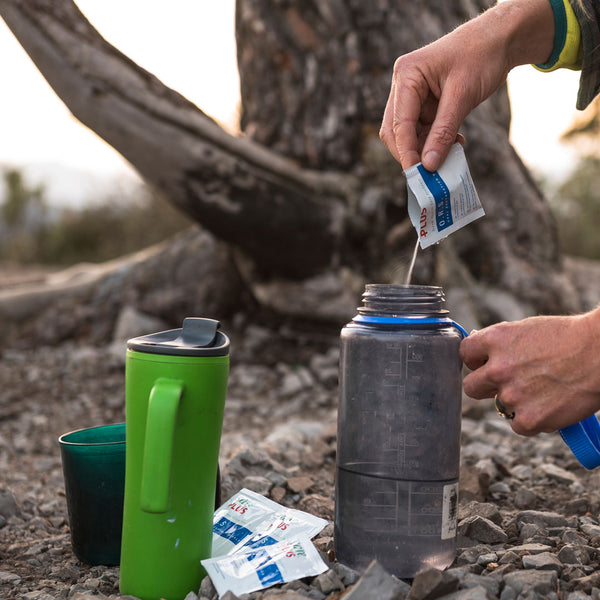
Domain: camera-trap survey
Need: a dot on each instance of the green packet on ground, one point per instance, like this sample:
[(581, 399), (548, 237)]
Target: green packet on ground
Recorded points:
[(443, 201)]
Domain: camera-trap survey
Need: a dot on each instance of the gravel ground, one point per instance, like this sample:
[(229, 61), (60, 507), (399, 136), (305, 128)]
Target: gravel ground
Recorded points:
[(528, 521)]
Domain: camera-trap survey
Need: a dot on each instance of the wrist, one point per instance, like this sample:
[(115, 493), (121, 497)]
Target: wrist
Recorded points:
[(527, 29)]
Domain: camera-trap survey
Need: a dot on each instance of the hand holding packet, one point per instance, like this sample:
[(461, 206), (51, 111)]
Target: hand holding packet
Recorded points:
[(442, 202)]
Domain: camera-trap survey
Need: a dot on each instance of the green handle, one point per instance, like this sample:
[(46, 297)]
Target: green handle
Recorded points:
[(158, 445)]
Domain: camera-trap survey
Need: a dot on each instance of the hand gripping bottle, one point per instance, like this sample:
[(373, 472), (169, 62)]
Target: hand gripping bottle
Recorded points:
[(175, 384), (399, 417)]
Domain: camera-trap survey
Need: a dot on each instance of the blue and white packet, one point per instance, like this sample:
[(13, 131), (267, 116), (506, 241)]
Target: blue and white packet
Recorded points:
[(287, 523), (238, 519), (245, 572), (442, 201), (249, 520)]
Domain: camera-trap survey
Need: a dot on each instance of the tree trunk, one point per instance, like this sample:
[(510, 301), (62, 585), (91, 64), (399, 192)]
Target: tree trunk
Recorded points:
[(315, 78), (308, 198)]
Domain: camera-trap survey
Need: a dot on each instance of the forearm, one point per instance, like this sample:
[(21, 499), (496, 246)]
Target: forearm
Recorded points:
[(523, 29)]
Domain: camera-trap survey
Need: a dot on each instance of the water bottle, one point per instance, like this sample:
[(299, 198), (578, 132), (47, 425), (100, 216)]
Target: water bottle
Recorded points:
[(399, 416)]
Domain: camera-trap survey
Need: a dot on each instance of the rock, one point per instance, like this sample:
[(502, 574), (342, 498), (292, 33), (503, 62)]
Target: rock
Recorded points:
[(531, 548), (544, 583), (525, 498), (479, 592), (555, 472), (576, 596), (490, 582), (378, 583), (432, 583), (347, 575), (482, 530), (258, 484), (299, 485), (6, 577), (486, 510), (133, 323), (530, 532), (586, 583), (573, 554), (207, 589), (542, 518), (577, 506), (486, 559), (8, 504), (318, 505), (544, 561), (329, 582)]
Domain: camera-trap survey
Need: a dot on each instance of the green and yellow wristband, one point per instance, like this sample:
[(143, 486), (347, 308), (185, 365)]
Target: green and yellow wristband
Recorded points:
[(567, 51)]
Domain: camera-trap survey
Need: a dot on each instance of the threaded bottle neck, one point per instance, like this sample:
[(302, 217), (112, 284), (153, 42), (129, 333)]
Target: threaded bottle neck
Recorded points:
[(391, 300)]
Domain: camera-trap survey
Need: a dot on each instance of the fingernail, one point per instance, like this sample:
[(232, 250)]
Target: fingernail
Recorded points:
[(431, 160)]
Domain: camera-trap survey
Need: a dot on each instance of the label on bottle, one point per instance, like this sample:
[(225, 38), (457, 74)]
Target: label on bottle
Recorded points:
[(450, 511), (442, 202)]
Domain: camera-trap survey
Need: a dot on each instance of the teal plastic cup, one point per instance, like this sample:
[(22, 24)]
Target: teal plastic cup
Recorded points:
[(93, 463)]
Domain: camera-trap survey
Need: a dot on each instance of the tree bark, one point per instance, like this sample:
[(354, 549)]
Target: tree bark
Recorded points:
[(308, 197), (315, 79), (239, 190)]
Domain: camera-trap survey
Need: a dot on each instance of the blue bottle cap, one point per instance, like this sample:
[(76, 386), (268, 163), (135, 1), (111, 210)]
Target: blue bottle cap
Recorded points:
[(584, 440)]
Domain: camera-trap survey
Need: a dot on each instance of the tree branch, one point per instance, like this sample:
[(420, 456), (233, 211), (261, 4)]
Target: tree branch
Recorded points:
[(237, 189)]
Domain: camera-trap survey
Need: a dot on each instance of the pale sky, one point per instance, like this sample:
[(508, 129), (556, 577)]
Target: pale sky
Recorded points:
[(189, 45)]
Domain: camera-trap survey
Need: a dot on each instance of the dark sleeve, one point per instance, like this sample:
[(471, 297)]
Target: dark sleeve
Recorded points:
[(588, 17)]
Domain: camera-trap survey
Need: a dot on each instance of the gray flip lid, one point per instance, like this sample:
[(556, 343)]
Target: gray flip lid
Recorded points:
[(197, 337)]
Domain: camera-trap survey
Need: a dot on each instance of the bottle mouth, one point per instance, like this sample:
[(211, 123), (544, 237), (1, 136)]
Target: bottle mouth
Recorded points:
[(393, 299)]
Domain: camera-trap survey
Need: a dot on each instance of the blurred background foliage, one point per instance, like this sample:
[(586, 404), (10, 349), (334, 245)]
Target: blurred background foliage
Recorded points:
[(33, 232), (576, 201)]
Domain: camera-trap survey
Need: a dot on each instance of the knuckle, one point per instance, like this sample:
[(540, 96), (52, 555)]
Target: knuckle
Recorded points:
[(444, 134), (498, 371)]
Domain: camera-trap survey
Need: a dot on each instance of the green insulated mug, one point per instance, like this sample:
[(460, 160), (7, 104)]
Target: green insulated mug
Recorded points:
[(175, 384)]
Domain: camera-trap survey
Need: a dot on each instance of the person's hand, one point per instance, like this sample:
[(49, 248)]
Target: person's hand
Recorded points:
[(434, 88), (545, 370)]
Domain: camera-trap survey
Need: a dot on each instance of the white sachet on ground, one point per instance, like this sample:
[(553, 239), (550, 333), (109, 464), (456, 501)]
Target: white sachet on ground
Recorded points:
[(245, 572), (238, 519), (288, 523)]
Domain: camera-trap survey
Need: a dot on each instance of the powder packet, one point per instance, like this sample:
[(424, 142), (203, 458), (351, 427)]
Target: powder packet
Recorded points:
[(248, 521), (236, 521), (442, 202), (245, 572), (288, 523)]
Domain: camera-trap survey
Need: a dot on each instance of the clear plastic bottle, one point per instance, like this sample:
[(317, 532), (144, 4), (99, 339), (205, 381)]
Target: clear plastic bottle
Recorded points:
[(398, 432)]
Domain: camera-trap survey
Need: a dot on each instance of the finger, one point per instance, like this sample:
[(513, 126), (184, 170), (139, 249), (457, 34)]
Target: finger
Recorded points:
[(474, 351), (386, 133), (478, 385), (408, 103), (444, 130)]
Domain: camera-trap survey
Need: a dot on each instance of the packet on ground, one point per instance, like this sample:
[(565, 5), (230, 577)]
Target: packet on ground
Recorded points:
[(287, 523), (236, 521), (248, 520), (245, 572), (442, 202), (258, 543)]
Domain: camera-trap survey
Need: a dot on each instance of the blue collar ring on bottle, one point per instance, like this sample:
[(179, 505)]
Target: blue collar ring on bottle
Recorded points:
[(389, 304)]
